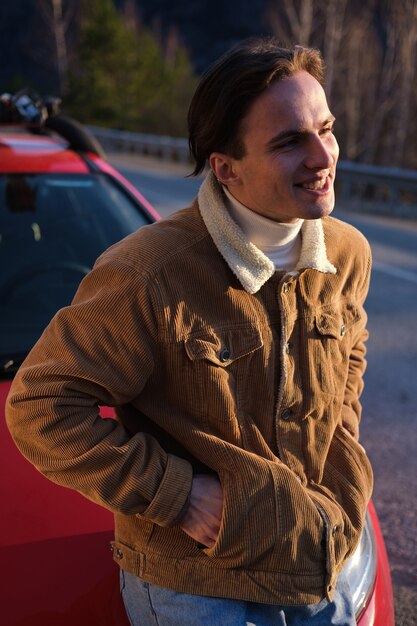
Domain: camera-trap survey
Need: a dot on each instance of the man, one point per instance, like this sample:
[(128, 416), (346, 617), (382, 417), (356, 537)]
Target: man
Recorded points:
[(230, 339)]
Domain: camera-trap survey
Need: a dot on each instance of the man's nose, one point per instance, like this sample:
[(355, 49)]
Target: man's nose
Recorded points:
[(321, 153)]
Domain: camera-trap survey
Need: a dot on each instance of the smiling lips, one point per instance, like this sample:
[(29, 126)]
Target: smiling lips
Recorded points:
[(318, 184)]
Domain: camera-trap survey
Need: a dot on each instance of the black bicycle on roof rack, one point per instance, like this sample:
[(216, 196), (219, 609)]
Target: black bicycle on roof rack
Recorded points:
[(43, 115)]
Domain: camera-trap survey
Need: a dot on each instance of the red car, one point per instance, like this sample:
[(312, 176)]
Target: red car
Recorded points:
[(61, 205)]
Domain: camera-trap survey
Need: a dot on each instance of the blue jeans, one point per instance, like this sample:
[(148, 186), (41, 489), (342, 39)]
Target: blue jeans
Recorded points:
[(150, 605)]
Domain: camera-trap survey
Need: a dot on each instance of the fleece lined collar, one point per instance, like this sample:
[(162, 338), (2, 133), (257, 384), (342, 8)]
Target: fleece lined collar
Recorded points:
[(251, 266)]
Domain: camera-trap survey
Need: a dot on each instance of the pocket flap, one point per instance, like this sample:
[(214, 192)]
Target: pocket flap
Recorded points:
[(334, 324), (223, 348)]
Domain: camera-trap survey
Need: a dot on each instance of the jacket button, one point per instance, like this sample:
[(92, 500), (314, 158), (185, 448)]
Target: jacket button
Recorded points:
[(286, 287), (224, 355), (335, 529), (286, 414), (342, 330), (119, 554)]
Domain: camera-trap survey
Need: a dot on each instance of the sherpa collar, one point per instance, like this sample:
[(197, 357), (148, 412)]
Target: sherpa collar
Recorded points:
[(251, 266)]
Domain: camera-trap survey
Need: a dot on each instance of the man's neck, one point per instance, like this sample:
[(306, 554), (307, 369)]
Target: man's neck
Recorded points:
[(281, 242)]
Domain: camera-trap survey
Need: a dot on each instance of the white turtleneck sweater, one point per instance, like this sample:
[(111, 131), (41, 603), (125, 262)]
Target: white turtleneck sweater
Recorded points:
[(280, 242)]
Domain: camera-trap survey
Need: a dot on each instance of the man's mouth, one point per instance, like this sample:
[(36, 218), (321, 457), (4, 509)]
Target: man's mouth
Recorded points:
[(320, 184)]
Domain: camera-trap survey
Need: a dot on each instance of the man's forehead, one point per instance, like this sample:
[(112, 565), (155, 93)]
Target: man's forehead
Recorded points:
[(297, 102)]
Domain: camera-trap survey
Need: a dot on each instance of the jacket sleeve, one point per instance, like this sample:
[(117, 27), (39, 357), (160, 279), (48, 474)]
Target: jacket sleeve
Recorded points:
[(99, 351), (352, 410)]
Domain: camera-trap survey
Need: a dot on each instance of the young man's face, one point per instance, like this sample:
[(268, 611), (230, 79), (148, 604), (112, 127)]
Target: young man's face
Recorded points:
[(291, 153)]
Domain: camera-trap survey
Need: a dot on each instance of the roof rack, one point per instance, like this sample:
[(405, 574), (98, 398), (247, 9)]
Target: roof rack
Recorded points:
[(42, 115)]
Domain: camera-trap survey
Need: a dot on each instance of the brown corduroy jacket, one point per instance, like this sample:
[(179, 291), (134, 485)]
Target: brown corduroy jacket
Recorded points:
[(216, 363)]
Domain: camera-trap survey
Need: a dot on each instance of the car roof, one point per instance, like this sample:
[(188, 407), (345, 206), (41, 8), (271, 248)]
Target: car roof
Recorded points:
[(60, 145), (22, 151)]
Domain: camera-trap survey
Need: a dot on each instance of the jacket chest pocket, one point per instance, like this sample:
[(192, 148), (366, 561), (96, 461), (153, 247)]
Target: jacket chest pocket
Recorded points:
[(331, 347), (220, 364)]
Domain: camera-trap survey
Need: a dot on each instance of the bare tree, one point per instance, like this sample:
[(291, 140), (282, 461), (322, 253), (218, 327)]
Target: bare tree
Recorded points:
[(334, 29), (352, 94), (292, 20), (57, 15), (382, 100), (404, 17), (390, 133)]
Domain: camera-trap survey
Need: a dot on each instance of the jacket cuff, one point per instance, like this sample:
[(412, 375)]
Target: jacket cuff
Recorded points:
[(172, 497)]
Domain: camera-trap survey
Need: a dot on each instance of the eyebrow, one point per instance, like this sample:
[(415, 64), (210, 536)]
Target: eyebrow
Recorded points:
[(291, 132)]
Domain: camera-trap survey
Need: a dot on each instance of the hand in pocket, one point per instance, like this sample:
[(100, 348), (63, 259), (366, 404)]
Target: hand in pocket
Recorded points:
[(202, 519)]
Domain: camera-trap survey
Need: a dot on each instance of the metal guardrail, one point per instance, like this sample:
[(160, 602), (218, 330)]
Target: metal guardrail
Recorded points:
[(167, 148), (383, 190)]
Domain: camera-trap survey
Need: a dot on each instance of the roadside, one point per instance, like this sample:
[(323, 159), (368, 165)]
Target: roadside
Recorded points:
[(405, 606), (149, 164)]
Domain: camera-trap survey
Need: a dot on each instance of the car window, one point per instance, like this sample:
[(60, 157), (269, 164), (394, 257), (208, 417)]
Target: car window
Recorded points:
[(52, 229)]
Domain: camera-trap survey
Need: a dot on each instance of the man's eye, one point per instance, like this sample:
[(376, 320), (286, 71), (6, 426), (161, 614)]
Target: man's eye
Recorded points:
[(292, 141), (328, 130)]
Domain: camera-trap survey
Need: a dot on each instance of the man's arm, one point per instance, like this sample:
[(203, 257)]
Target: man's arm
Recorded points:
[(352, 410), (100, 351)]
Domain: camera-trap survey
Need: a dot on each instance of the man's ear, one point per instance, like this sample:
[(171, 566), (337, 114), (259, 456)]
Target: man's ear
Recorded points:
[(223, 168)]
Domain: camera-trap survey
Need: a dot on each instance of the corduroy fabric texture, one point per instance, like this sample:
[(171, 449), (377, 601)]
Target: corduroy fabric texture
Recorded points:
[(259, 388)]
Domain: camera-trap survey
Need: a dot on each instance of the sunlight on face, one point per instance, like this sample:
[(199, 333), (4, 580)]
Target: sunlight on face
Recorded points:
[(289, 166)]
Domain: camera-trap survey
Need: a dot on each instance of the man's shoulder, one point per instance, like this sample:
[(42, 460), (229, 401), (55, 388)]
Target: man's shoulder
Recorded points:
[(342, 234), (348, 250), (153, 246)]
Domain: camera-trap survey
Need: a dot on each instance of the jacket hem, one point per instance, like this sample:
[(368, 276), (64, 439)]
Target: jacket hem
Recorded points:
[(186, 576)]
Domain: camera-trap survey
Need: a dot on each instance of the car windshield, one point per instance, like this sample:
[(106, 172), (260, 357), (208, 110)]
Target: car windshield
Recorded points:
[(52, 229)]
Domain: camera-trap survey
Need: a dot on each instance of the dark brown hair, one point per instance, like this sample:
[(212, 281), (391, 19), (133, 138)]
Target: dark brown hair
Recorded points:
[(229, 87)]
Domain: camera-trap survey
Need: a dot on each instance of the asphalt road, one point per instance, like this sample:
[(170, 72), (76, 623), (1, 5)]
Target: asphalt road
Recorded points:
[(389, 425)]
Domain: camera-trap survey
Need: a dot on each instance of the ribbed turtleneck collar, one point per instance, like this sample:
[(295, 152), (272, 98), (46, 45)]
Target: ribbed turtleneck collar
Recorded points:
[(280, 242)]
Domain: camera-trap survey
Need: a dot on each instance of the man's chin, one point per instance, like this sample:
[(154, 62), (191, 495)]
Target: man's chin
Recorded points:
[(317, 212), (327, 210), (324, 208)]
